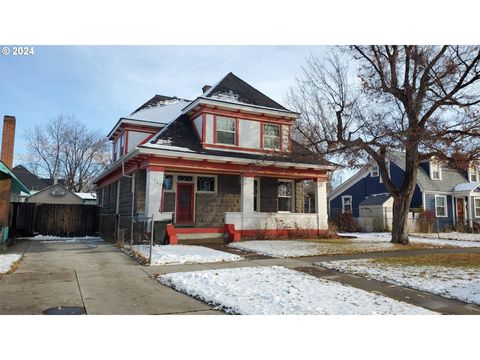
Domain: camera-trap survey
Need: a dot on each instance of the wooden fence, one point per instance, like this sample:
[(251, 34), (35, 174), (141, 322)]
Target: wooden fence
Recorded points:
[(55, 219)]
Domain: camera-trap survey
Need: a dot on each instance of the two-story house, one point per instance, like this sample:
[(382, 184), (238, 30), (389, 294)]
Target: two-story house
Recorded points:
[(451, 195), (222, 163)]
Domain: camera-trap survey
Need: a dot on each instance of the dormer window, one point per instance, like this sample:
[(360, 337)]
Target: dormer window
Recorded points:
[(226, 130), (375, 172), (435, 171), (271, 136), (473, 174)]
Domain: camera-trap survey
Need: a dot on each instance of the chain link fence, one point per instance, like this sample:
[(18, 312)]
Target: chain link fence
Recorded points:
[(137, 235)]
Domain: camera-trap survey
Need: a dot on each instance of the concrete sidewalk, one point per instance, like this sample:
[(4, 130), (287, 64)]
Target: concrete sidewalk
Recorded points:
[(94, 275)]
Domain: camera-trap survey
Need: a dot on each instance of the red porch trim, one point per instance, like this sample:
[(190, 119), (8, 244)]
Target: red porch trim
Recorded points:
[(198, 230), (171, 235), (246, 116)]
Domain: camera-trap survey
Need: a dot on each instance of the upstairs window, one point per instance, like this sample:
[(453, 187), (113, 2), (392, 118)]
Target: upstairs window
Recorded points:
[(473, 174), (375, 172), (435, 170), (271, 136), (226, 130), (347, 204), (285, 195)]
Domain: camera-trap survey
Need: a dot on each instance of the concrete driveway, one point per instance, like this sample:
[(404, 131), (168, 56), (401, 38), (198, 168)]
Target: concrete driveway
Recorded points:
[(90, 274)]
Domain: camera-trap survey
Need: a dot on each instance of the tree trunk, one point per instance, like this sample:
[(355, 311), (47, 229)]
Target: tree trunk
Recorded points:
[(401, 207)]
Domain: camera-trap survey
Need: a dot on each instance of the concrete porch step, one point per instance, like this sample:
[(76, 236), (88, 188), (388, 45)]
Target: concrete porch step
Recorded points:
[(193, 233)]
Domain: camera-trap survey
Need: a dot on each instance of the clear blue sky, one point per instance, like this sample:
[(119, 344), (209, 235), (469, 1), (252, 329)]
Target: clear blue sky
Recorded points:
[(99, 84)]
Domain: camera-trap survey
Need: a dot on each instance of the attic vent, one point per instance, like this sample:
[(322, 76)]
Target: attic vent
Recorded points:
[(205, 88)]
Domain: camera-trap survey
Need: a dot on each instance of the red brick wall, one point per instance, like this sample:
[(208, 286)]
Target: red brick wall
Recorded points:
[(8, 140)]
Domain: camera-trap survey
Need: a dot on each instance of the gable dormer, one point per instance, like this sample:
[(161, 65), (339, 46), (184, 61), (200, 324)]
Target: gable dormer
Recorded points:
[(234, 116), (143, 123), (473, 172), (435, 167)]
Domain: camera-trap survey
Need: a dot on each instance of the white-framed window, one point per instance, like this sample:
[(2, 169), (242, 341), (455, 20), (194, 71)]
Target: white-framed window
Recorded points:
[(441, 206), (375, 171), (473, 174), (435, 170), (226, 130), (476, 206), (346, 204), (271, 136), (205, 184), (285, 195), (168, 183)]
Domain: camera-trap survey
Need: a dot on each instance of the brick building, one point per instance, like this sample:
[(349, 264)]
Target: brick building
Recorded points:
[(224, 162)]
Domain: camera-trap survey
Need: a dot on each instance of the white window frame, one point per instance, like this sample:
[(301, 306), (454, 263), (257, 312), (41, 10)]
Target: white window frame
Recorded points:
[(343, 203), (287, 197), (473, 172), (477, 214), (445, 206), (439, 166), (215, 184), (270, 136), (375, 172), (217, 118)]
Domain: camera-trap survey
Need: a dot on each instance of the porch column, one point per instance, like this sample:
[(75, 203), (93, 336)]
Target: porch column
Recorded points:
[(247, 193), (153, 191), (469, 211), (321, 204)]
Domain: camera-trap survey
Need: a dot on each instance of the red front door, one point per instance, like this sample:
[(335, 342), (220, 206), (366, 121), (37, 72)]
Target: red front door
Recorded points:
[(460, 210), (184, 209)]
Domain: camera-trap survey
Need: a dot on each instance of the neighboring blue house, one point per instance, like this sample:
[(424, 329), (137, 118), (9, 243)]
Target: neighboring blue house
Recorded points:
[(452, 195)]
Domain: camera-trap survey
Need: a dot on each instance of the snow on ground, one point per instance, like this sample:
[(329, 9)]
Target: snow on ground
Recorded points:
[(385, 237), (297, 248), (277, 290), (456, 283), (183, 254), (7, 260), (454, 235), (45, 239)]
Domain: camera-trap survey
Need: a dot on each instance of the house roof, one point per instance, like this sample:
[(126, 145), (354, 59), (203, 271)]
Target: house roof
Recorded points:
[(86, 196), (449, 179), (180, 136), (376, 199), (233, 89), (31, 181), (466, 186), (17, 185)]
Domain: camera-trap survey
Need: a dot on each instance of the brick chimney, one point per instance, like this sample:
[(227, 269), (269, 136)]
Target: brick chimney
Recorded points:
[(8, 140), (205, 88)]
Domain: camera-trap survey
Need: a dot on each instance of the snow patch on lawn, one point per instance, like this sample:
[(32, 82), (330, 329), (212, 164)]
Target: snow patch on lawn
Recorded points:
[(454, 235), (277, 290), (183, 254), (386, 237), (294, 248), (45, 239), (456, 283), (7, 260)]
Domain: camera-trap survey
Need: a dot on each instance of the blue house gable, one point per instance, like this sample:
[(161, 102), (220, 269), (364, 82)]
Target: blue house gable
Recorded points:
[(446, 193)]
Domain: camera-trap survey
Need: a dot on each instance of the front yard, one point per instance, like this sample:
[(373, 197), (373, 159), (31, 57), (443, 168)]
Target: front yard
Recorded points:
[(276, 290), (455, 276)]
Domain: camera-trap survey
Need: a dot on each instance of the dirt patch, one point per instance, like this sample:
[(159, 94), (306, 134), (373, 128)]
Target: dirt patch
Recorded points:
[(446, 260)]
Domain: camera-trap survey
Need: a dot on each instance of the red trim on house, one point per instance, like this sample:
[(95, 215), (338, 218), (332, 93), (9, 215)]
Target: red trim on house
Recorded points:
[(155, 168), (246, 116), (248, 174), (197, 230), (147, 138), (126, 140), (232, 234)]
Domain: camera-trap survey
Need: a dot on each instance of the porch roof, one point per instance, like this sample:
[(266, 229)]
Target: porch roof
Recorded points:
[(466, 187)]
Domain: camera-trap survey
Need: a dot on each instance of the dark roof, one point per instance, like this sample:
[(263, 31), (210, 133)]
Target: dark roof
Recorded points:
[(157, 100), (180, 136), (375, 199), (243, 92), (32, 181)]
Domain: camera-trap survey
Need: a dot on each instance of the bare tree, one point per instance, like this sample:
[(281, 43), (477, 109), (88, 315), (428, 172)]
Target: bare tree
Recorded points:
[(65, 148), (363, 102)]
